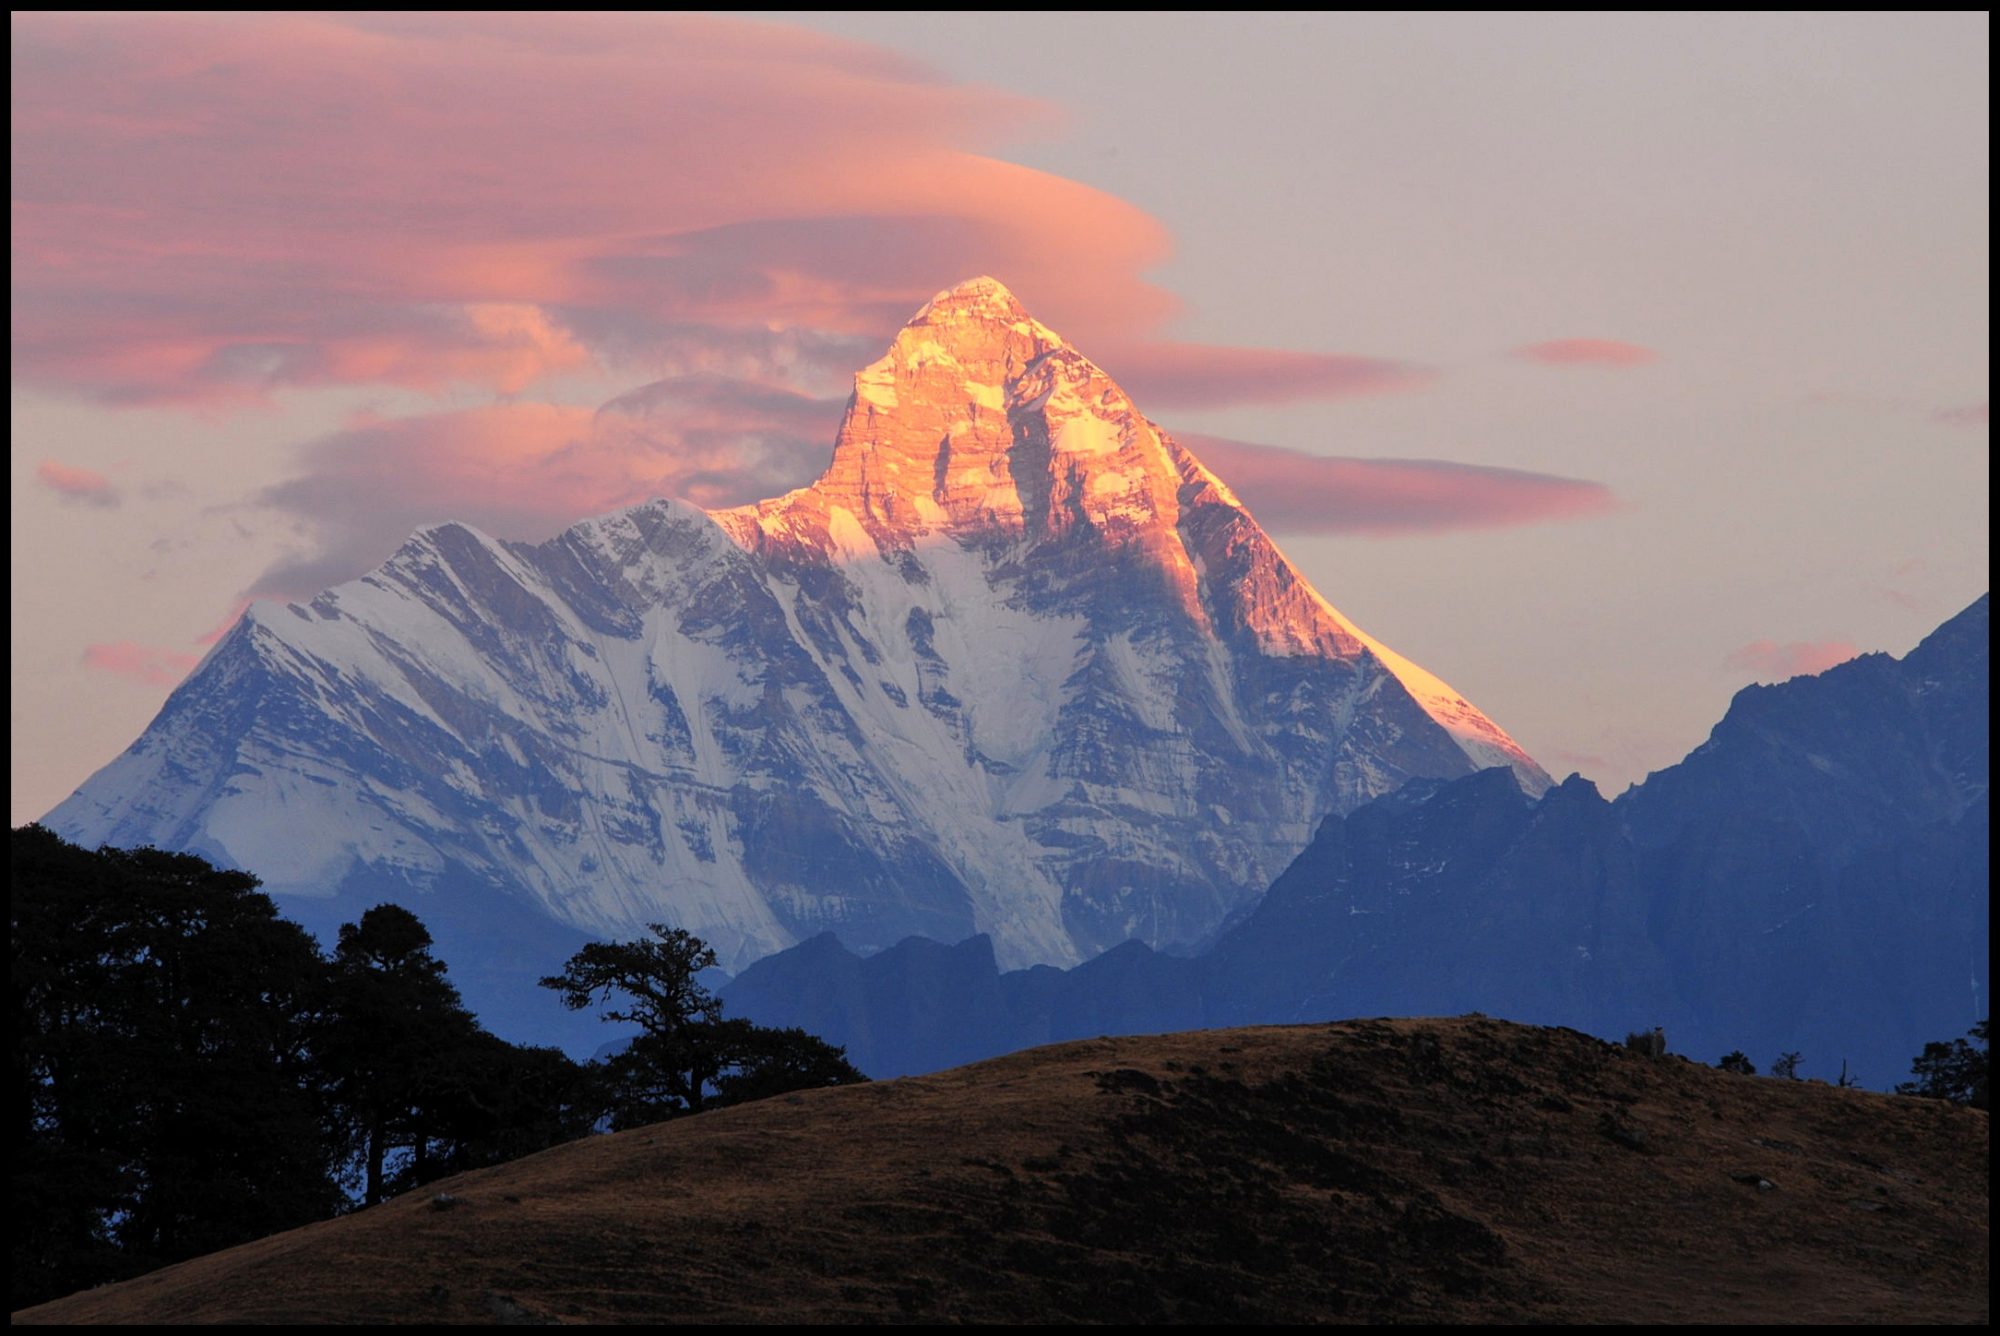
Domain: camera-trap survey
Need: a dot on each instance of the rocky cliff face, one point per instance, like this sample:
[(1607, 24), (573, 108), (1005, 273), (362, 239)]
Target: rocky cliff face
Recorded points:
[(1017, 664)]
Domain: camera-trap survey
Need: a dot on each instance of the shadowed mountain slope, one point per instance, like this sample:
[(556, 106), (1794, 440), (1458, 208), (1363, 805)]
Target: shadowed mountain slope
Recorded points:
[(1814, 878), (1429, 1170)]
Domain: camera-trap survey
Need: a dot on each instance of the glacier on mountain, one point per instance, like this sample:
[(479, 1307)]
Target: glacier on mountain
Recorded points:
[(1016, 664)]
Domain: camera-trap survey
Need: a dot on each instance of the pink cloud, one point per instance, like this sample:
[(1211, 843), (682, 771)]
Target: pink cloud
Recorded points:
[(145, 663), (1586, 352), (222, 628), (527, 470), (1193, 375), (1771, 662), (75, 484), (208, 207), (1965, 415), (1290, 491)]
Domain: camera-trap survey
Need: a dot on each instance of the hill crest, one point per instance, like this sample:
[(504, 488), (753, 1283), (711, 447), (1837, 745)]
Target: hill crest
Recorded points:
[(1384, 1170)]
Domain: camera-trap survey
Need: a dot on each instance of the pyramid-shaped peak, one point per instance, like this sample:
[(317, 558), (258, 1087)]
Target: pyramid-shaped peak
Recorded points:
[(975, 399), (977, 324), (983, 290), (980, 299)]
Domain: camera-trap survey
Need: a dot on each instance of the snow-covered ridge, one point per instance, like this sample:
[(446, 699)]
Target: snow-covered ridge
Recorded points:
[(936, 433), (1016, 663)]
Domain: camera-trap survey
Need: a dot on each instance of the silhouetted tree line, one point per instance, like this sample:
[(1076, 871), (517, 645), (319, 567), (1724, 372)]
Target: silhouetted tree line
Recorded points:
[(192, 1072), (1954, 1071)]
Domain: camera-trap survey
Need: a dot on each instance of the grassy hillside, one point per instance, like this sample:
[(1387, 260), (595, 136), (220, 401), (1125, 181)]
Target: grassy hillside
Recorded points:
[(1411, 1170)]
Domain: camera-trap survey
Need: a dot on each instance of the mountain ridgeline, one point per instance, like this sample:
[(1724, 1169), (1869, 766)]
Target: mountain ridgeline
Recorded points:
[(1016, 665), (1814, 878)]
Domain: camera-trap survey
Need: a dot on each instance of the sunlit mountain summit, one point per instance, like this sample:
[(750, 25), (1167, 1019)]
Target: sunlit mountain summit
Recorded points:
[(1016, 663)]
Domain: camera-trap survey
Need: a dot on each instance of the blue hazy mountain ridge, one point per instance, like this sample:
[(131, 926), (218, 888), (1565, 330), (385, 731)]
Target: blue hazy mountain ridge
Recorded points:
[(1814, 878)]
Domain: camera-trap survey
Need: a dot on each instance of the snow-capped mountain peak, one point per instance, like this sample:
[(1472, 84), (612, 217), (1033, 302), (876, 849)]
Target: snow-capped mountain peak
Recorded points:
[(1015, 663), (981, 421)]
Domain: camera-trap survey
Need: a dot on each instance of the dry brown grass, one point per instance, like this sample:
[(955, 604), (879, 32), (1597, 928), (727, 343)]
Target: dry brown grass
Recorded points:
[(1405, 1170)]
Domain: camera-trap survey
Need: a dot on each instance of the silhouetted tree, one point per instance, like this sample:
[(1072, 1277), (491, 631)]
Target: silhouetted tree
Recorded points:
[(1736, 1062), (1955, 1071), (191, 1073), (681, 1046), (166, 1100), (660, 980), (685, 1049), (489, 1101), (394, 1037), (778, 1061), (1786, 1066)]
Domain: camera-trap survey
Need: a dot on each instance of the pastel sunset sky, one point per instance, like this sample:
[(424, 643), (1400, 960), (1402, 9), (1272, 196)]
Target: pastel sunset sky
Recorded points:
[(1599, 364)]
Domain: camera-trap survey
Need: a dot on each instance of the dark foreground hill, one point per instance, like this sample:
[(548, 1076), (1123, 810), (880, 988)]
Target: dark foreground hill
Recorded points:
[(1409, 1170)]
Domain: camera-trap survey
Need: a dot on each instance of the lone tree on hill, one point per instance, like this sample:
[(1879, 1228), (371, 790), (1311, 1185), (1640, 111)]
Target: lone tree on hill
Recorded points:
[(1736, 1061), (661, 979), (687, 1057)]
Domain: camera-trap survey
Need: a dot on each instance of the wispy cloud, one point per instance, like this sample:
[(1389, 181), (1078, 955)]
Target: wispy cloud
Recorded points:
[(1586, 352), (76, 484), (1902, 598), (1290, 491), (222, 628), (1769, 661), (527, 470), (1193, 375), (150, 664)]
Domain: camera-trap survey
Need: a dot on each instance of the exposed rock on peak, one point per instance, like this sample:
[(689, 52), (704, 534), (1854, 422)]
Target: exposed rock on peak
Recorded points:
[(982, 298), (981, 421)]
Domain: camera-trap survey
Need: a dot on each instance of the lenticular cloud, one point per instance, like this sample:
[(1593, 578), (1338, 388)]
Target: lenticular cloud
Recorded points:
[(1293, 492), (210, 207)]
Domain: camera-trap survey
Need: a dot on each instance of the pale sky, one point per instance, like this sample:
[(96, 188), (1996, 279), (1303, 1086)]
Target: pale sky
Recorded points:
[(287, 286)]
